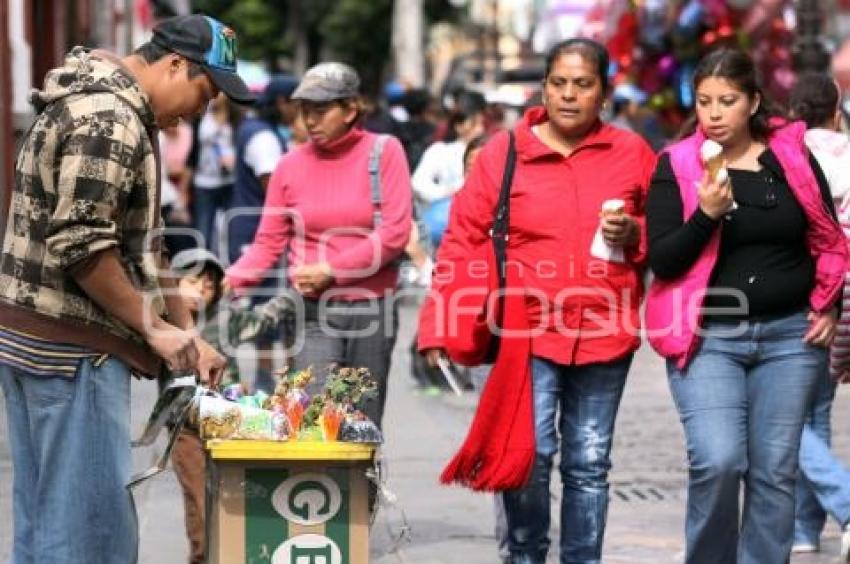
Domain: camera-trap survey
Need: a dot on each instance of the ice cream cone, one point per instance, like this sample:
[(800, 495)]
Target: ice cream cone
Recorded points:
[(711, 154)]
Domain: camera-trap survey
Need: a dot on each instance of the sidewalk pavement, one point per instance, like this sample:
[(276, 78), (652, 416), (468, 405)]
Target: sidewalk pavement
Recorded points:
[(450, 525)]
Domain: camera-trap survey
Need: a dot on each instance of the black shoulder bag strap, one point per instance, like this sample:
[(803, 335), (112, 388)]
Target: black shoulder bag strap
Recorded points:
[(501, 221), (500, 236)]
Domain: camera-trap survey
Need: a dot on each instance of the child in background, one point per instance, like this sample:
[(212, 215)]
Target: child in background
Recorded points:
[(430, 379), (823, 483), (200, 274)]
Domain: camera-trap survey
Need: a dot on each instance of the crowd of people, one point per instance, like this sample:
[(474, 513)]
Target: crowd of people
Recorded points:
[(534, 238)]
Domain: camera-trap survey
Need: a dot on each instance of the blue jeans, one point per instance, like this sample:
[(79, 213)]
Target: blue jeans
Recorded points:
[(823, 485), (588, 397), (742, 401), (206, 203), (70, 445)]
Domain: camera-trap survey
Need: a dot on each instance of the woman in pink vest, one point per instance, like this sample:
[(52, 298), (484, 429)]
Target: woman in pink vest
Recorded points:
[(749, 264)]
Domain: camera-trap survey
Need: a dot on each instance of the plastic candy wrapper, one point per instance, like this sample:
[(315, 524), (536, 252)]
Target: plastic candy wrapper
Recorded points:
[(290, 413), (233, 392), (330, 420), (218, 418), (599, 247), (360, 431), (257, 400), (222, 419)]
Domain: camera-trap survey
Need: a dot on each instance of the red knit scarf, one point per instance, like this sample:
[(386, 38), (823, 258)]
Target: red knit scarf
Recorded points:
[(498, 453)]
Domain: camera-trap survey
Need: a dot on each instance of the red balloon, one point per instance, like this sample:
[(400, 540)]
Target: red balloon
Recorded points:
[(762, 12)]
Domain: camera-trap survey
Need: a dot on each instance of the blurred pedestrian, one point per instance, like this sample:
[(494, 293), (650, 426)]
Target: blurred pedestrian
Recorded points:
[(417, 133), (86, 298), (560, 370), (823, 485), (213, 160), (748, 274), (175, 144), (440, 171), (261, 141)]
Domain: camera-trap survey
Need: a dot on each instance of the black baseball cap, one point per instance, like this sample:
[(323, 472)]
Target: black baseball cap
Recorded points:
[(209, 43)]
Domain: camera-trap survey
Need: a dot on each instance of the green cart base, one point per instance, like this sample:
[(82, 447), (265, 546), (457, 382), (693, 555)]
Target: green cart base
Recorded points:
[(296, 502)]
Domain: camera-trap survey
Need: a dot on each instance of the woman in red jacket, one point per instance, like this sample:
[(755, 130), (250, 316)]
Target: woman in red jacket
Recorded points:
[(581, 310)]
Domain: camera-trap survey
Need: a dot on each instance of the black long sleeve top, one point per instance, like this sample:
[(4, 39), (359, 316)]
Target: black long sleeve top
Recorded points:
[(763, 254)]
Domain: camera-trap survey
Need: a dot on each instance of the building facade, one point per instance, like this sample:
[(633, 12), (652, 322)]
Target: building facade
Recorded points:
[(35, 35)]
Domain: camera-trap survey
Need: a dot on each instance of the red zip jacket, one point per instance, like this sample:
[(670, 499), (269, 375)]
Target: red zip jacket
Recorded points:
[(581, 309)]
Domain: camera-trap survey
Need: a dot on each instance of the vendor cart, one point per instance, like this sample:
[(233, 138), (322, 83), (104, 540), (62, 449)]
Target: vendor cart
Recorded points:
[(289, 502)]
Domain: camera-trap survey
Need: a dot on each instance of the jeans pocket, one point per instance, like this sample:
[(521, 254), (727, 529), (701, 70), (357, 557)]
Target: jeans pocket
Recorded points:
[(50, 392)]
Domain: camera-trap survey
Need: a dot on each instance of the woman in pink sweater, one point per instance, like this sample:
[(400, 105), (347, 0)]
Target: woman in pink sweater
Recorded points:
[(339, 207)]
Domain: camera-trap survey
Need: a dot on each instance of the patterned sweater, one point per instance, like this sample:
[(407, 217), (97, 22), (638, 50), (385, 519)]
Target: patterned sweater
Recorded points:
[(86, 180)]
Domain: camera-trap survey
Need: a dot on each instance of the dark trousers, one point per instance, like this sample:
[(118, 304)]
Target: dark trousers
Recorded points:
[(349, 333), (189, 466)]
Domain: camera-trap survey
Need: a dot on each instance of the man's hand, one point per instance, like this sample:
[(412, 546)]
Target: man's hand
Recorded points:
[(175, 346), (311, 279), (620, 230), (210, 364)]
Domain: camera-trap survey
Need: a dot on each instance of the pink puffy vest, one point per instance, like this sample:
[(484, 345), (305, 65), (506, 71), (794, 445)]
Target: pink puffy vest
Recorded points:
[(673, 307)]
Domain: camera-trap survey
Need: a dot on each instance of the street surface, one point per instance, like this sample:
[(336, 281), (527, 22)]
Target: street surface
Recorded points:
[(452, 525)]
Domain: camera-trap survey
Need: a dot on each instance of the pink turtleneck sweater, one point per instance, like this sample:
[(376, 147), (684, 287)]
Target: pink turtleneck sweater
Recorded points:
[(319, 207)]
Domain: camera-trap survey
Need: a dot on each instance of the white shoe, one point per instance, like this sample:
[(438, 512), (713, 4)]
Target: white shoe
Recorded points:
[(804, 548), (844, 555)]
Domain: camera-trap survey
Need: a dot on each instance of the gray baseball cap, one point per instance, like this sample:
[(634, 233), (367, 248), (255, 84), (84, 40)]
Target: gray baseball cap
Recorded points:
[(328, 81), (193, 261)]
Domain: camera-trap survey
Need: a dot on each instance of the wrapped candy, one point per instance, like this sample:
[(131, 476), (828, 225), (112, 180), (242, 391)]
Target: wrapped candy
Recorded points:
[(255, 400), (222, 419), (218, 418), (330, 421), (294, 411), (289, 412), (256, 425), (358, 429), (233, 392)]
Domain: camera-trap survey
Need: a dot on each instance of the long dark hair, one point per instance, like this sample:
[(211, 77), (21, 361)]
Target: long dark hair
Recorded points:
[(738, 68), (814, 99), (467, 105), (589, 50), (473, 146)]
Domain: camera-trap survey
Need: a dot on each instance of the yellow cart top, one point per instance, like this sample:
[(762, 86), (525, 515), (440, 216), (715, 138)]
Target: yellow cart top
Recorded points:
[(220, 449)]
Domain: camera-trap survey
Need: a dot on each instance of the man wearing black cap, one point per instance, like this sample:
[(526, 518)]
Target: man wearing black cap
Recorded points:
[(84, 298)]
